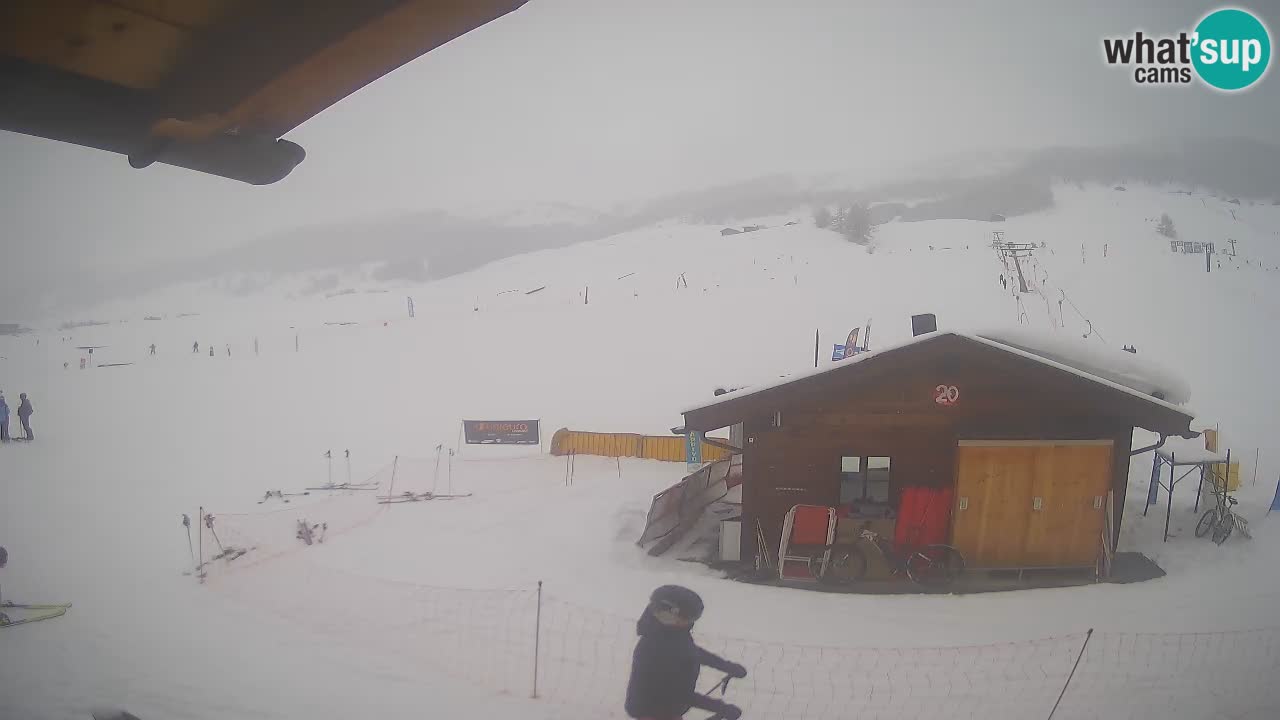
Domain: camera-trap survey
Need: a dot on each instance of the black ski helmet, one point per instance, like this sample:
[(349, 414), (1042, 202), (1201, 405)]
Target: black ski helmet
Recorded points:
[(683, 601)]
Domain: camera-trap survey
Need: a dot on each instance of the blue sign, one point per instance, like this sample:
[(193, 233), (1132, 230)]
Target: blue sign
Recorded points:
[(693, 450), (837, 353)]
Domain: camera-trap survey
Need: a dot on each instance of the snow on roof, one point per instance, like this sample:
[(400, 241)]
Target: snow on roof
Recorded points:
[(1117, 366), (1188, 451), (788, 379), (1172, 386)]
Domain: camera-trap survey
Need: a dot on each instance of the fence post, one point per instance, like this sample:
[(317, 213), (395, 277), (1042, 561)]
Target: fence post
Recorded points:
[(1072, 674), (537, 639)]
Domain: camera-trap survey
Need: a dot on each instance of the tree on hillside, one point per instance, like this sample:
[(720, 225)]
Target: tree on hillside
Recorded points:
[(854, 223), (822, 217), (1165, 227)]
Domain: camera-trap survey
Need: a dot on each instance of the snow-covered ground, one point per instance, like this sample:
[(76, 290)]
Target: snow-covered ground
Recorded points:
[(428, 608)]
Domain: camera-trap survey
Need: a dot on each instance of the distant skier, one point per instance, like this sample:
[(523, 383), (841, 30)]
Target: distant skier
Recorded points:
[(4, 419), (153, 348), (195, 346), (228, 351), (24, 416), (666, 662), (210, 351)]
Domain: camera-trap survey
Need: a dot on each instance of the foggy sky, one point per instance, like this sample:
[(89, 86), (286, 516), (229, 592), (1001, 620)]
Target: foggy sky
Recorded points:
[(602, 102)]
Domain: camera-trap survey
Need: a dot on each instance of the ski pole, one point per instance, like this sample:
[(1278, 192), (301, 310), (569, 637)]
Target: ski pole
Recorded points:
[(435, 477), (722, 686), (200, 567), (208, 522), (186, 523)]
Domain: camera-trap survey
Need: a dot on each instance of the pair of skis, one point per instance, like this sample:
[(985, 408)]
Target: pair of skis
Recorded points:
[(347, 486), (42, 612), (416, 497), (281, 495)]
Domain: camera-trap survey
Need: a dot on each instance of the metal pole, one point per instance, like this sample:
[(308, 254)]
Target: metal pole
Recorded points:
[(348, 454), (1199, 490), (1173, 471), (1153, 492), (815, 348), (394, 464), (200, 542), (1256, 456), (1072, 674), (537, 640)]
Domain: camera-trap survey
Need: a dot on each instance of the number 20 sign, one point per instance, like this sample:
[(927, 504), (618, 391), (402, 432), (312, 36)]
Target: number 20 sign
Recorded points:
[(946, 395)]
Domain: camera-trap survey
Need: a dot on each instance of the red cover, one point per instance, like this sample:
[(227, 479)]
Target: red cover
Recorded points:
[(924, 516)]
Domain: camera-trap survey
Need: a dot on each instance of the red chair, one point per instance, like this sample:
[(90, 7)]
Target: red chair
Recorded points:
[(806, 530)]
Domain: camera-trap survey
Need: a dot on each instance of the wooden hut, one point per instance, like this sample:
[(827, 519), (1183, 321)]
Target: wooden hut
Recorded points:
[(1014, 457)]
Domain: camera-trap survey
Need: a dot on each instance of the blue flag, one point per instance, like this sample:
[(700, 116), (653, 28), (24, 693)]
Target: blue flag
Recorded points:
[(837, 353), (1275, 502)]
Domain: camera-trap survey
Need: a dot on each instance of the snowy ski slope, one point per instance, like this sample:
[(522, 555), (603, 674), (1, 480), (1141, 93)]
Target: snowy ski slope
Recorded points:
[(91, 510)]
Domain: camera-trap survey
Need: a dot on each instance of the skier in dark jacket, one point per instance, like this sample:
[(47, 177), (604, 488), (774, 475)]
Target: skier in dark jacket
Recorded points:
[(666, 662), (4, 419), (24, 416)]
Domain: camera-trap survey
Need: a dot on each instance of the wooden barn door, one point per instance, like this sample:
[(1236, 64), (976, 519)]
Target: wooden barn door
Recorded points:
[(1031, 504), (1071, 481)]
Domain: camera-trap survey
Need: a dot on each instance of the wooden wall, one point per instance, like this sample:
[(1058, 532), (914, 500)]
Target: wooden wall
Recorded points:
[(799, 462)]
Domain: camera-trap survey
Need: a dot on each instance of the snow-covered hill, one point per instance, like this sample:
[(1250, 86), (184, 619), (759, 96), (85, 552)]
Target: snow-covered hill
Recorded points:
[(617, 334)]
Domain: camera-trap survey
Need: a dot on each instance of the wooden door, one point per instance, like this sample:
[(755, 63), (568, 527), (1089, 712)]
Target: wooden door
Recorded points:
[(1031, 504), (993, 495), (1071, 481)]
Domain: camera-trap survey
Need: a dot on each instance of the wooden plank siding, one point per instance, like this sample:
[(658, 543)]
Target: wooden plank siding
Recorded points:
[(997, 523)]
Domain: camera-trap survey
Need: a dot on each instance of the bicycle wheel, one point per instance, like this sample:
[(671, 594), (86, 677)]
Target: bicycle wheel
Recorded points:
[(935, 566), (847, 565), (1223, 530), (1206, 522)]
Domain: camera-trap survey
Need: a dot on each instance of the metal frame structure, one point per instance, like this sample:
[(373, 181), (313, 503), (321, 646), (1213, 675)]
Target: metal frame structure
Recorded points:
[(1173, 463)]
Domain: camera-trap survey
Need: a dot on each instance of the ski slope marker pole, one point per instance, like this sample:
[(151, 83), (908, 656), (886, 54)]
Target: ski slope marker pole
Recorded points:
[(348, 455)]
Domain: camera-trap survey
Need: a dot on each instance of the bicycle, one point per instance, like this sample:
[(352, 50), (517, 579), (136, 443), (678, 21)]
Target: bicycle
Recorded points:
[(930, 566), (1221, 520)]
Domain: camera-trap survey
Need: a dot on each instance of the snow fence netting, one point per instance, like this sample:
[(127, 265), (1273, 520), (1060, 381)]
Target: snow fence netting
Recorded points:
[(486, 637)]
